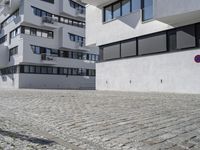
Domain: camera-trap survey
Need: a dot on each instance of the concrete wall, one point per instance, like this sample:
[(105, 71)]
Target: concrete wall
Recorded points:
[(55, 82), (125, 27), (166, 16), (173, 72), (176, 12), (9, 81)]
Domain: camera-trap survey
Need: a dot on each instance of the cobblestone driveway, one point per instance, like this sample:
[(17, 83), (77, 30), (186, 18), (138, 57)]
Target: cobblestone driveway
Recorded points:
[(78, 120)]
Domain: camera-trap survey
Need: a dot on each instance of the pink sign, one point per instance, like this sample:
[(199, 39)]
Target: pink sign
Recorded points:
[(197, 59)]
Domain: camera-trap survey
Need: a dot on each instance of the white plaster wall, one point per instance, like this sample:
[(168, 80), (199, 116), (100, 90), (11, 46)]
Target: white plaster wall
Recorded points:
[(9, 81), (55, 82), (125, 27), (178, 71), (130, 26), (165, 8)]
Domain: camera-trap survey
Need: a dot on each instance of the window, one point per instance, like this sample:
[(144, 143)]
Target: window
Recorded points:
[(154, 43), (14, 33), (172, 40), (177, 39), (126, 9), (41, 13), (50, 70), (121, 8), (9, 70), (117, 10), (27, 30), (55, 70), (186, 37), (111, 52), (44, 34), (147, 12), (3, 39), (26, 69), (44, 70), (33, 31), (32, 69), (61, 71), (36, 32), (135, 5), (13, 51), (108, 13), (60, 53), (77, 38), (128, 48), (77, 6), (10, 18), (37, 69)]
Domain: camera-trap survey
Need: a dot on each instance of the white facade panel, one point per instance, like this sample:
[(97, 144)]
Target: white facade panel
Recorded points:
[(173, 72)]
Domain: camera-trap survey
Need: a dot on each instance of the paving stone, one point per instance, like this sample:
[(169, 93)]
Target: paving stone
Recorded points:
[(94, 120)]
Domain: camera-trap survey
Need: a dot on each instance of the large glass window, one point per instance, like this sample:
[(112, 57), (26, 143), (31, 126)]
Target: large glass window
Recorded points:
[(135, 5), (108, 13), (172, 40), (126, 9), (147, 12), (117, 10)]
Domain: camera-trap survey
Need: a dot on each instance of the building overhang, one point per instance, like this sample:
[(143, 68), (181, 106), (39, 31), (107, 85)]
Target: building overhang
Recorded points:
[(98, 2)]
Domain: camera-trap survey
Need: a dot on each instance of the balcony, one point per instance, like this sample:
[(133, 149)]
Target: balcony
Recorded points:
[(176, 11), (68, 9), (80, 12), (80, 45), (49, 22), (48, 58), (9, 6)]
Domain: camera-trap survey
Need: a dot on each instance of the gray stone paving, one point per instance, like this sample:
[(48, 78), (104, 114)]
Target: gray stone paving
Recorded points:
[(79, 120)]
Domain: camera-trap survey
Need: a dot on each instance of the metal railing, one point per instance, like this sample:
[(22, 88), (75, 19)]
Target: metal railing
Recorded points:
[(80, 11), (47, 19), (47, 57), (80, 44)]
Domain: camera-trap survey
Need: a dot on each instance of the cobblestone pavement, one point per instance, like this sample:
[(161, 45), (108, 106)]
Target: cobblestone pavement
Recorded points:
[(79, 120)]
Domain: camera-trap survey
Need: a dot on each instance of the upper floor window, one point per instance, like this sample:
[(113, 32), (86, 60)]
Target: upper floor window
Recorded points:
[(121, 8), (31, 31), (147, 9), (77, 6), (108, 13), (61, 19), (13, 51), (126, 7), (3, 39), (76, 38), (135, 5), (10, 18), (116, 10)]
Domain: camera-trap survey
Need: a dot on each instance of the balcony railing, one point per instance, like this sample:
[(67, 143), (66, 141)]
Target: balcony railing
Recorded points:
[(80, 11), (47, 57), (80, 44), (49, 20)]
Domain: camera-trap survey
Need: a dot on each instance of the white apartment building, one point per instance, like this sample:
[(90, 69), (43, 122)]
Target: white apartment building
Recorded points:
[(42, 45), (146, 45)]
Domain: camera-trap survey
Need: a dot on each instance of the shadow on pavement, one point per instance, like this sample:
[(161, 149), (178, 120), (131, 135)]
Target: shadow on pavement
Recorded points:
[(26, 138)]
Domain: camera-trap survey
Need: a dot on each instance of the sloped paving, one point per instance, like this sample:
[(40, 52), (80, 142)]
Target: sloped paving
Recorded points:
[(93, 120)]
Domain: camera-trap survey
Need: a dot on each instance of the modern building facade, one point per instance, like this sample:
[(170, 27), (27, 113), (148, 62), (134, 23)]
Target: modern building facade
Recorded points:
[(43, 45), (146, 45)]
